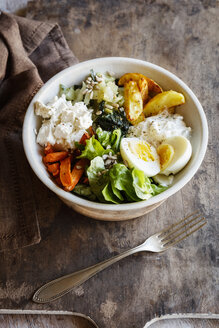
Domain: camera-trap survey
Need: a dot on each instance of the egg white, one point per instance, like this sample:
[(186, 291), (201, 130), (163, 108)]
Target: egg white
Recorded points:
[(182, 154), (150, 167), (164, 180)]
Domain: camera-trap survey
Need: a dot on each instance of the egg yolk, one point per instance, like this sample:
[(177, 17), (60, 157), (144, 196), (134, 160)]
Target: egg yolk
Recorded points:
[(142, 150), (166, 153)]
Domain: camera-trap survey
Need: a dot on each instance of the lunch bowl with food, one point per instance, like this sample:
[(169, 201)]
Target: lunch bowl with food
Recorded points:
[(115, 137)]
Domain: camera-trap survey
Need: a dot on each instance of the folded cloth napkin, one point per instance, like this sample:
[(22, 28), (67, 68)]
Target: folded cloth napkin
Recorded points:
[(31, 52)]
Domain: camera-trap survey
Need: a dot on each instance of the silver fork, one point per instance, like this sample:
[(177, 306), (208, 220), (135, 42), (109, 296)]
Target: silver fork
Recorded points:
[(158, 242)]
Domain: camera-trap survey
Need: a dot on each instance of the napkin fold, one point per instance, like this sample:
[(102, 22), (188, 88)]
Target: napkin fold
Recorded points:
[(31, 52)]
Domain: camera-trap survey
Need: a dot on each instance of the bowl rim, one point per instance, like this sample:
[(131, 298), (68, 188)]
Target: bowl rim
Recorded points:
[(70, 197)]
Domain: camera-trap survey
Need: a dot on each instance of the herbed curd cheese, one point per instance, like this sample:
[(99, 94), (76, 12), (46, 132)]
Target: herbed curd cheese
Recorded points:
[(156, 129), (64, 123)]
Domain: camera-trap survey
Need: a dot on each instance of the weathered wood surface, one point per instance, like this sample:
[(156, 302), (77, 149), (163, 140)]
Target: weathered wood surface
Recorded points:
[(182, 37)]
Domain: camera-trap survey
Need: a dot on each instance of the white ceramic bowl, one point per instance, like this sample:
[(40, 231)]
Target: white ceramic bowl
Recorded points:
[(192, 112)]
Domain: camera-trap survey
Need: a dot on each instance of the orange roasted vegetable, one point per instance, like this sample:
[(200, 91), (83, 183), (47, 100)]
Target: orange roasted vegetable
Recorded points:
[(76, 173), (48, 149), (55, 157), (54, 168), (65, 172), (91, 131), (84, 138)]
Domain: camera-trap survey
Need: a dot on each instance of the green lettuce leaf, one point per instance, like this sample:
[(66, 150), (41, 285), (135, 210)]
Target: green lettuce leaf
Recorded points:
[(111, 139), (116, 192), (121, 179), (157, 189), (84, 191), (115, 139), (92, 149), (109, 195), (141, 184), (103, 137), (97, 181)]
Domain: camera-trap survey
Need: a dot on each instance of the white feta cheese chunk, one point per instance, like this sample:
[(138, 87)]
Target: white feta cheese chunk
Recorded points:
[(83, 115), (65, 123), (42, 110), (63, 130), (45, 134), (68, 116)]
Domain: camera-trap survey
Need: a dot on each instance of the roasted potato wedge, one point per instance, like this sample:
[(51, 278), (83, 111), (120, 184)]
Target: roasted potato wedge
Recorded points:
[(133, 101), (162, 101), (153, 87), (130, 77), (143, 87), (140, 118)]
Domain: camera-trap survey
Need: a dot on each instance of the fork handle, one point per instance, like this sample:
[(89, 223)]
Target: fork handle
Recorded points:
[(61, 286)]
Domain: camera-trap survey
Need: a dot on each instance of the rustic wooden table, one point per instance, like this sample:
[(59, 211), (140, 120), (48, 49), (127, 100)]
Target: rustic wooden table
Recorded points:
[(183, 38)]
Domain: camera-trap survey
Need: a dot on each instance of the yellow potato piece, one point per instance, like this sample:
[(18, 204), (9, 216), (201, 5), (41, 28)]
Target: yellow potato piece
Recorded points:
[(143, 87), (166, 153), (140, 118), (153, 87), (162, 101), (133, 101), (130, 77)]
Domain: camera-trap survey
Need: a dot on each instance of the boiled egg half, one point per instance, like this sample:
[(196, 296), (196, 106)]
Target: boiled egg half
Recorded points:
[(174, 152), (141, 155)]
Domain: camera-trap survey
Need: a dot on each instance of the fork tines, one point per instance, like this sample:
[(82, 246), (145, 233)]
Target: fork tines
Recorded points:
[(182, 229)]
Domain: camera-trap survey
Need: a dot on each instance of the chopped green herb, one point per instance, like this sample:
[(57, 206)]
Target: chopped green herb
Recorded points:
[(113, 121)]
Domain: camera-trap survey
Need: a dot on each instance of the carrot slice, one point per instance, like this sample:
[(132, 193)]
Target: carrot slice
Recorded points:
[(54, 168), (84, 138), (65, 172), (48, 149), (77, 173), (91, 131), (55, 157)]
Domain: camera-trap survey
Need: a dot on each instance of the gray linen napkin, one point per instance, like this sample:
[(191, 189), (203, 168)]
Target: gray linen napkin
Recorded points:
[(31, 52)]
